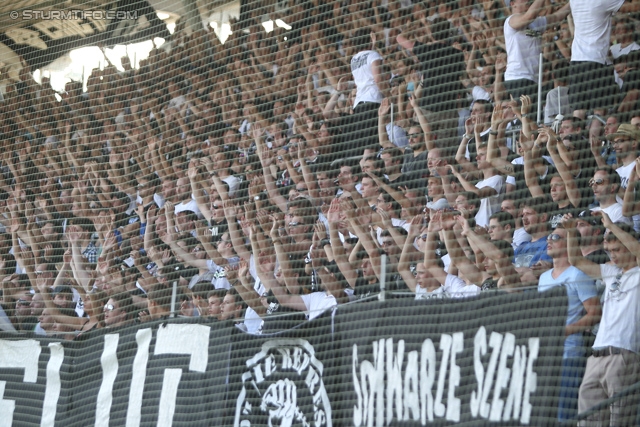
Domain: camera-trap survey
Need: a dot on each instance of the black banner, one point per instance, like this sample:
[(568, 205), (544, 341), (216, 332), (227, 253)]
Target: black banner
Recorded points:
[(491, 359), (42, 36)]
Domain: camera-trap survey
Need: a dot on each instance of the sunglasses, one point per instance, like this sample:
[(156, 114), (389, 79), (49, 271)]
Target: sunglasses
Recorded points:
[(216, 207), (294, 224), (554, 237), (23, 303), (414, 135), (598, 181), (109, 307)]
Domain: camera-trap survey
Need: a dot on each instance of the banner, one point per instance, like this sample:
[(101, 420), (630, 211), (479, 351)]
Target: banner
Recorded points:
[(490, 359)]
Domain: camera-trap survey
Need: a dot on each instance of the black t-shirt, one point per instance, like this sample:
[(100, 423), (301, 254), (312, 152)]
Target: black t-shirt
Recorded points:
[(401, 181), (599, 257), (278, 317), (442, 66)]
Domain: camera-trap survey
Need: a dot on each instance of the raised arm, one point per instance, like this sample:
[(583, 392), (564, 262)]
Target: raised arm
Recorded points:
[(458, 257), (573, 193), (625, 238), (339, 254), (576, 258), (520, 21), (72, 321), (424, 124), (247, 291), (363, 237), (234, 232), (383, 137), (407, 249), (630, 206), (430, 263), (269, 182)]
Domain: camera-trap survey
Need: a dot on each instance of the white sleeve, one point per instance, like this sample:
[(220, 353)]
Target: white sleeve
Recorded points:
[(374, 56), (212, 266), (457, 288)]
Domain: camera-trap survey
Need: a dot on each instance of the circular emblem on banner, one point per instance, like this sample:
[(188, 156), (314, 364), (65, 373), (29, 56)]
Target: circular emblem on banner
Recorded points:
[(282, 386)]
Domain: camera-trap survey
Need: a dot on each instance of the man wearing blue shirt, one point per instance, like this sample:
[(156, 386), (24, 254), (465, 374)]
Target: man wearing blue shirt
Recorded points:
[(535, 220), (584, 311)]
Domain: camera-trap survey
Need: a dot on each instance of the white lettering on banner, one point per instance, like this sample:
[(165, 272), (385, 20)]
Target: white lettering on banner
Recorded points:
[(410, 388), (191, 339), (427, 377), (531, 381), (453, 403), (138, 377), (17, 354), (272, 387), (109, 362), (52, 390)]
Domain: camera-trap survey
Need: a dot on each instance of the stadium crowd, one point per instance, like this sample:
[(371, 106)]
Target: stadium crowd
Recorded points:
[(268, 177)]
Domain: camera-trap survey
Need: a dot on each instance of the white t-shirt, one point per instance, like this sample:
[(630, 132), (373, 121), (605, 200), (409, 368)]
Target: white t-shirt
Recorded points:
[(479, 93), (317, 303), (592, 29), (520, 161), (519, 237), (617, 51), (422, 293), (233, 183), (615, 213), (624, 172), (620, 323), (397, 135), (396, 223), (191, 205), (490, 205), (252, 320), (523, 52), (439, 204), (367, 89), (457, 288)]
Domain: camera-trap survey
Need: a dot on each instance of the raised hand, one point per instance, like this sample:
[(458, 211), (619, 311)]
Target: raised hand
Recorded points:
[(343, 84), (243, 269), (415, 225), (526, 104), (468, 126), (231, 273), (320, 229), (48, 251), (568, 222), (384, 218), (333, 214), (67, 257), (496, 117), (169, 208), (385, 107), (435, 225), (464, 223)]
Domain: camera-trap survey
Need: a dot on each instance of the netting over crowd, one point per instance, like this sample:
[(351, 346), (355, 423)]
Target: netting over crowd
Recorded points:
[(413, 146)]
